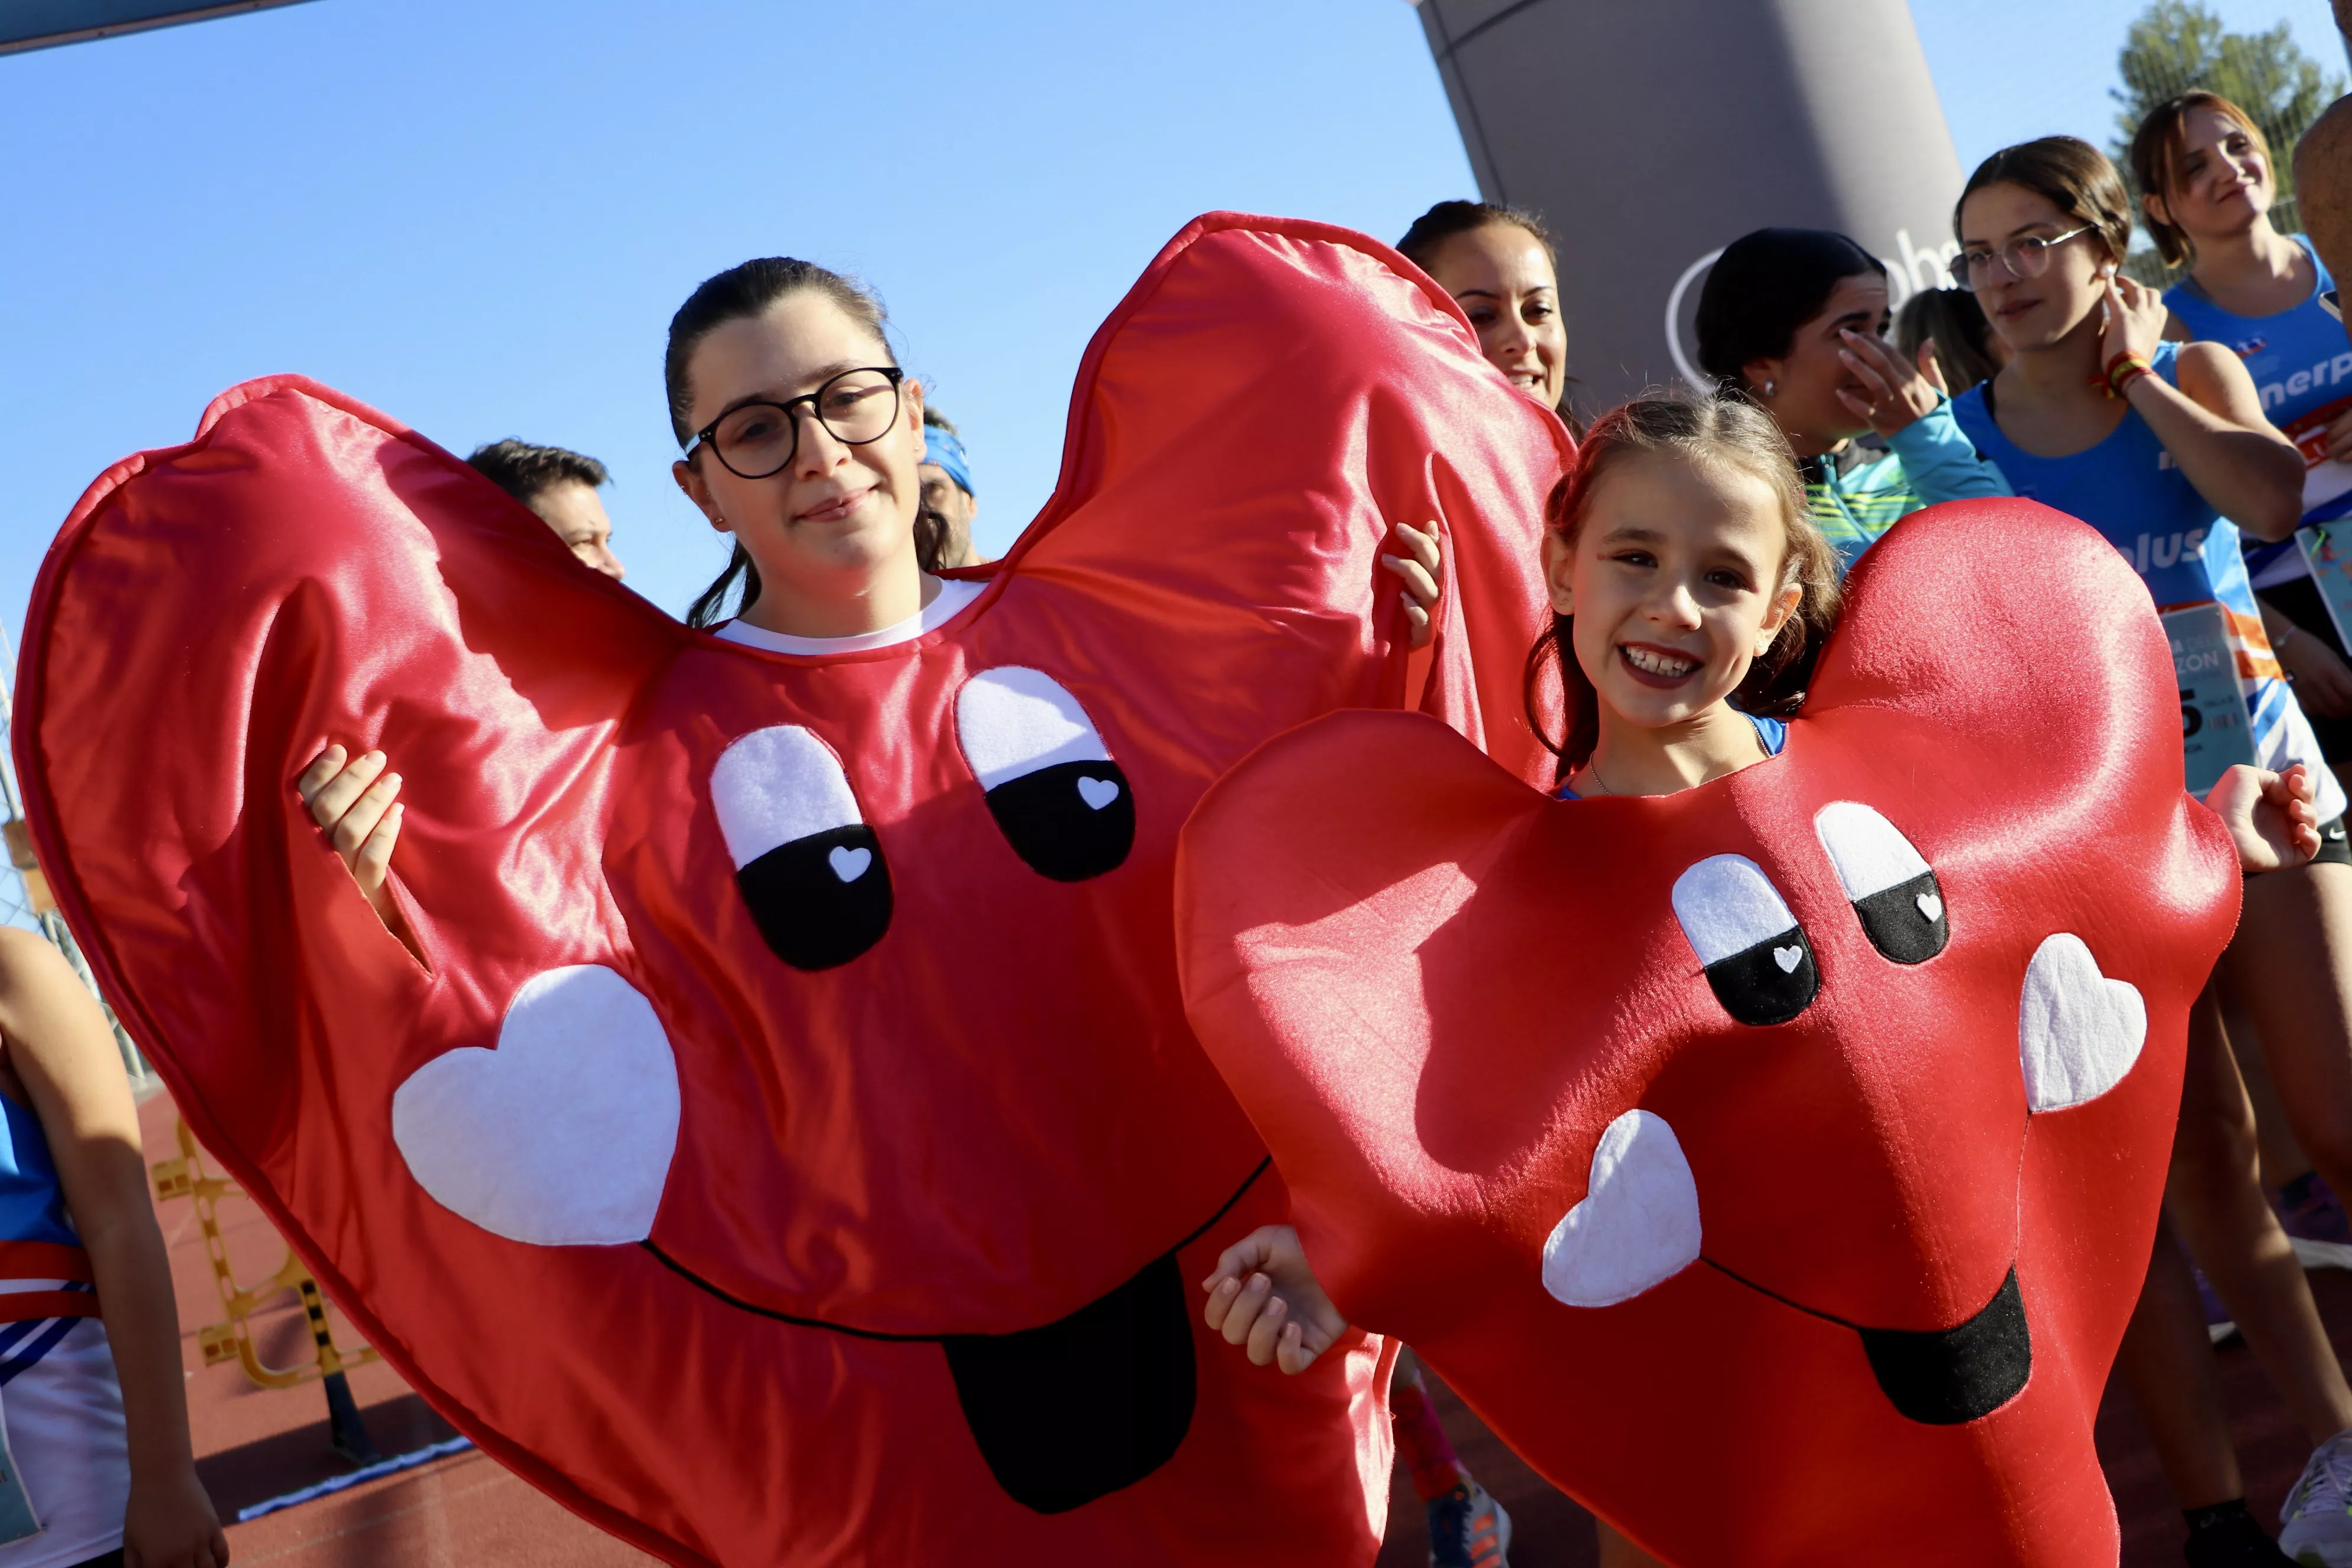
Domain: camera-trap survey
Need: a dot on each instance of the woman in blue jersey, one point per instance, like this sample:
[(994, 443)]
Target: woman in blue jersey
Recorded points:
[(95, 1471), (2163, 448), (2208, 181), (1796, 320)]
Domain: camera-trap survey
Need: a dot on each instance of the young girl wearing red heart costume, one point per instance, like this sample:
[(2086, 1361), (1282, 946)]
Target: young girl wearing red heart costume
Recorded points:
[(2165, 448), (802, 439), (1691, 592)]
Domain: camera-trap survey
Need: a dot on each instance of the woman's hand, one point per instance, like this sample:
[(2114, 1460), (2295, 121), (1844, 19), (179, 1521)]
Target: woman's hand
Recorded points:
[(171, 1524), (1265, 1297), (354, 799), (2269, 815), (2134, 321), (1418, 569), (1895, 393), (2339, 437), (2323, 682)]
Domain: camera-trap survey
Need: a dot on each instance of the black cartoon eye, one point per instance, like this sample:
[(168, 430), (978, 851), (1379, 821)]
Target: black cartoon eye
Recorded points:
[(1755, 954), (1894, 893), (1063, 803), (809, 868)]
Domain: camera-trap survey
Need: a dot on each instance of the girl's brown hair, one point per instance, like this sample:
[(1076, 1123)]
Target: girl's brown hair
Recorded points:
[(2155, 160), (1727, 432), (2074, 177)]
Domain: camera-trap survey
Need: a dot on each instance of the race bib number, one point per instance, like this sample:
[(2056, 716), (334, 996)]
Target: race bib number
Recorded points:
[(2215, 729)]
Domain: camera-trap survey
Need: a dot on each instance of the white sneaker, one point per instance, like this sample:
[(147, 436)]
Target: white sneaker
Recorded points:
[(2318, 1514)]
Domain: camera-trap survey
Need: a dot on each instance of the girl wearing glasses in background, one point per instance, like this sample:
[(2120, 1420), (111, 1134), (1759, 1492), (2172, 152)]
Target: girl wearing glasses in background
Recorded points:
[(2163, 448)]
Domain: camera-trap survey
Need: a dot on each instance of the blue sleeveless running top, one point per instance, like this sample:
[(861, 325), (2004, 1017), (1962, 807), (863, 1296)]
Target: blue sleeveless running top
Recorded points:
[(41, 1259), (2302, 365), (2129, 488)]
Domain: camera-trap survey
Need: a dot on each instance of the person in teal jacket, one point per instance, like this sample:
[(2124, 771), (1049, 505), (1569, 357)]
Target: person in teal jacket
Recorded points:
[(1796, 320)]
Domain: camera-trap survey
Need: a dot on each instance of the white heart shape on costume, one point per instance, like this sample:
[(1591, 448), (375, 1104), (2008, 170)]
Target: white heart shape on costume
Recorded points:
[(1097, 793), (848, 864), (2078, 1033), (562, 1136), (1931, 907), (1788, 958), (1638, 1224)]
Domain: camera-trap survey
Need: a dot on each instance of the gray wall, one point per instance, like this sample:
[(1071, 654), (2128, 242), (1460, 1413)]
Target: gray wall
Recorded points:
[(1651, 132)]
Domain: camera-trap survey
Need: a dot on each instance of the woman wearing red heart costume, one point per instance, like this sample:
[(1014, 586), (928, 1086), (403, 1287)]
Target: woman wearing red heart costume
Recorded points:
[(779, 1136), (2164, 448), (1807, 1081)]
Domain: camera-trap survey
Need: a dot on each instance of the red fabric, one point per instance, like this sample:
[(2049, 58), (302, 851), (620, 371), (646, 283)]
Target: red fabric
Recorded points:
[(43, 1260), (31, 1306), (1432, 987), (1422, 1443), (990, 1119)]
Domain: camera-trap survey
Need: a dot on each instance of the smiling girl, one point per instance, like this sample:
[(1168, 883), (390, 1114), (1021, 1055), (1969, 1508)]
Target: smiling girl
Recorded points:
[(2208, 184), (1691, 594)]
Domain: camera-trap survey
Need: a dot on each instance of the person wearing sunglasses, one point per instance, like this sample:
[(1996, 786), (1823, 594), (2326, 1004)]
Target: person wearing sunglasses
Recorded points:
[(1795, 320), (2207, 180), (2162, 447)]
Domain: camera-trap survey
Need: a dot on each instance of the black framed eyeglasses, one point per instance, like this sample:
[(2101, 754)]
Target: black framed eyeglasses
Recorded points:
[(2028, 255), (757, 439)]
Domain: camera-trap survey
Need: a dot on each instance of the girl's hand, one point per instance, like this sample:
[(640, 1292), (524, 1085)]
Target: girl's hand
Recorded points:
[(1264, 1297), (2322, 683), (171, 1524), (353, 798), (1895, 393), (2339, 438), (2269, 815), (2135, 317), (1417, 568)]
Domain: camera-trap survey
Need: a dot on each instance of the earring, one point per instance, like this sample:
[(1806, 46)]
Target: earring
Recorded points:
[(1769, 387)]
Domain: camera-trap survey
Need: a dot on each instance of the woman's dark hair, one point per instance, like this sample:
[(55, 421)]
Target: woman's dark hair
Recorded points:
[(739, 292), (2074, 177), (1764, 286), (1722, 432), (1952, 320), (2155, 160), (1442, 222)]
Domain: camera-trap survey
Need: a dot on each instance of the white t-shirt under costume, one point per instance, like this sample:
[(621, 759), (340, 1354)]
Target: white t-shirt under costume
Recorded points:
[(64, 1415), (951, 600)]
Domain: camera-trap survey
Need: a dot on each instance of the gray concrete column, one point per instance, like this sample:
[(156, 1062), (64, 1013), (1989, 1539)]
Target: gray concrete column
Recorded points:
[(1648, 134)]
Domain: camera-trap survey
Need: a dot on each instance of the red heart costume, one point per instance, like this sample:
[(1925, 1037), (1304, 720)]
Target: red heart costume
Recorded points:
[(1774, 1165), (839, 1184)]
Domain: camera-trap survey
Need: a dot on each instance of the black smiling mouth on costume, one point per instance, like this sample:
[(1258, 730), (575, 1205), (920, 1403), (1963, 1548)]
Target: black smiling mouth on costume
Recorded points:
[(1942, 1377), (1072, 1410)]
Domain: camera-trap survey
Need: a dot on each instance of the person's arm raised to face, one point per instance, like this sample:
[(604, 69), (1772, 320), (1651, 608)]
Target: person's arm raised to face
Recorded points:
[(64, 1055), (2212, 424)]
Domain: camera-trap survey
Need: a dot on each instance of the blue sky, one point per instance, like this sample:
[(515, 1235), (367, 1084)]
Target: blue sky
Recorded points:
[(479, 216)]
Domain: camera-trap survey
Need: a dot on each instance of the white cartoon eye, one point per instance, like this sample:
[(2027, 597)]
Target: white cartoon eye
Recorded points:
[(1063, 805), (562, 1136), (809, 869), (2078, 1032), (1637, 1224), (1755, 954), (1895, 894)]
